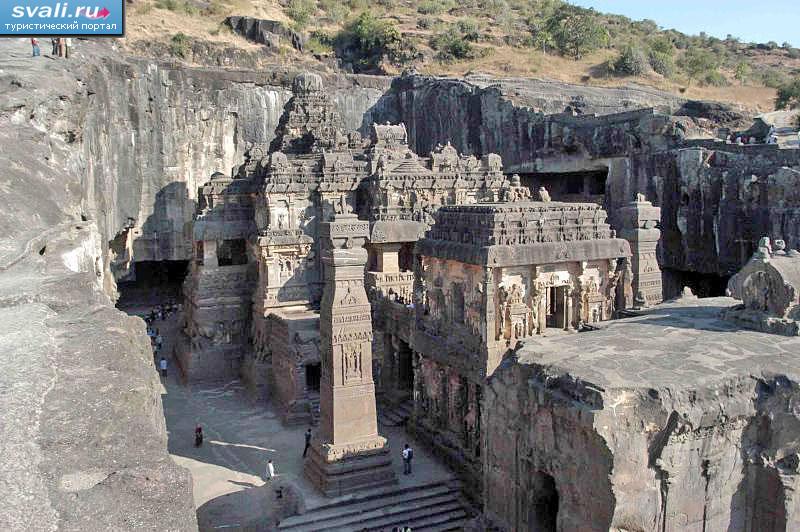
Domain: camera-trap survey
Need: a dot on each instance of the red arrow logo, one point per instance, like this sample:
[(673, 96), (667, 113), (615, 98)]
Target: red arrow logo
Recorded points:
[(103, 13)]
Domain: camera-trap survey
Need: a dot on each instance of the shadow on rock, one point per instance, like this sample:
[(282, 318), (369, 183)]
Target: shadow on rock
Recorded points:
[(256, 509)]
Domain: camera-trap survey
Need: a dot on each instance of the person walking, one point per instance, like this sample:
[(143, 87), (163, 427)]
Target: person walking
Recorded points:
[(308, 442), (54, 44), (67, 47), (198, 436), (270, 470), (61, 47), (35, 46), (163, 365), (159, 340), (408, 455)]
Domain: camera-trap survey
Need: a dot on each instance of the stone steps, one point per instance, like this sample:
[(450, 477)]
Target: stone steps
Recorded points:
[(395, 416), (314, 410), (432, 506)]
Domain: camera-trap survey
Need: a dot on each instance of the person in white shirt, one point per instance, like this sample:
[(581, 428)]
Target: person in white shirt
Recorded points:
[(270, 470), (408, 455), (163, 365)]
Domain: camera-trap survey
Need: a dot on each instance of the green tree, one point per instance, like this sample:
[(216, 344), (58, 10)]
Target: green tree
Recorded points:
[(300, 11), (788, 95), (576, 32), (698, 63), (742, 72), (451, 46), (367, 40), (631, 61)]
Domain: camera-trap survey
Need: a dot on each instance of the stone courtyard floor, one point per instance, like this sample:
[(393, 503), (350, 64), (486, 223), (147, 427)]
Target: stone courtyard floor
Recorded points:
[(230, 492)]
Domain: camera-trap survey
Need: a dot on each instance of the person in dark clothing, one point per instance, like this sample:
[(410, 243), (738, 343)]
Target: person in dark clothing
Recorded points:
[(198, 436), (408, 455), (308, 442)]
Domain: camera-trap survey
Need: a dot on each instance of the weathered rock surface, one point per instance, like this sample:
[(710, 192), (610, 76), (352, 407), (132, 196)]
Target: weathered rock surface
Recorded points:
[(717, 199), (163, 129), (267, 32), (674, 420), (83, 438)]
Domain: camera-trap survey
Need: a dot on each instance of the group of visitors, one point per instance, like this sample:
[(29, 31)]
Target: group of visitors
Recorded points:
[(161, 312), (62, 47)]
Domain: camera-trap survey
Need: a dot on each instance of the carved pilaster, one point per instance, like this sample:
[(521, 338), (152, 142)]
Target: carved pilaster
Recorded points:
[(639, 220), (348, 454)]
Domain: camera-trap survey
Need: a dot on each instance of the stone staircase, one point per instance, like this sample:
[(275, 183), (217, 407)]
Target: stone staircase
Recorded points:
[(395, 416), (435, 506), (314, 400)]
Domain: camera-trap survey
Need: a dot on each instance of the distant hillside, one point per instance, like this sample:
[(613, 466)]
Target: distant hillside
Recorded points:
[(530, 38)]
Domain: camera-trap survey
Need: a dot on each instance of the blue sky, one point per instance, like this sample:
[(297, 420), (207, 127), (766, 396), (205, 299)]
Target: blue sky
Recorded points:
[(750, 20)]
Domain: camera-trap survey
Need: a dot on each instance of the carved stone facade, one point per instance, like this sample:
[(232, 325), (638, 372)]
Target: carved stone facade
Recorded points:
[(220, 283), (449, 262), (639, 221), (769, 288), (487, 277)]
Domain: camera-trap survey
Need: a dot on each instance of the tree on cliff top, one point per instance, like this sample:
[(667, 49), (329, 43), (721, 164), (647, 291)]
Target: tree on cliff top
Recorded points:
[(788, 95), (576, 31), (368, 40)]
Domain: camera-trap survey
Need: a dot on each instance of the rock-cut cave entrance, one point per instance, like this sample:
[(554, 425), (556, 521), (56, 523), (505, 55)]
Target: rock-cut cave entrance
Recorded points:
[(701, 284), (578, 186), (542, 510), (153, 283)]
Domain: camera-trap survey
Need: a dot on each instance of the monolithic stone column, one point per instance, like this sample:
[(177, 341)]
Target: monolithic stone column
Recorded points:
[(639, 220), (347, 454)]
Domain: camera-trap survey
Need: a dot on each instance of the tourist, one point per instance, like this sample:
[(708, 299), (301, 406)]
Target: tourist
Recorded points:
[(35, 46), (408, 455), (198, 436), (61, 45), (159, 340), (163, 365), (67, 47), (54, 44), (308, 442), (270, 470)]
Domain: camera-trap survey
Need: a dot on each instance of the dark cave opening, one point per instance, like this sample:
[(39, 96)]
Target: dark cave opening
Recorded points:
[(153, 282), (313, 375), (581, 186), (543, 510), (701, 284)]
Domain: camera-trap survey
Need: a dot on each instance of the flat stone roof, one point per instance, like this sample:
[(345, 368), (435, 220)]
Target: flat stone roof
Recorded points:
[(679, 344)]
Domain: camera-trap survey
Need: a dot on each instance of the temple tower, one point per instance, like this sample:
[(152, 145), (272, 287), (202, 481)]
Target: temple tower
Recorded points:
[(348, 454), (639, 221)]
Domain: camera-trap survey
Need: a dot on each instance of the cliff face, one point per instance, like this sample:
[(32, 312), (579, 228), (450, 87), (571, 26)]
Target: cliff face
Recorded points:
[(84, 441), (157, 132), (636, 430), (716, 198)]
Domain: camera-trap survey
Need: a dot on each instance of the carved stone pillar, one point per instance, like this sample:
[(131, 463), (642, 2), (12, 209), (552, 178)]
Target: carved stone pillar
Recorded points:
[(348, 454), (639, 220)]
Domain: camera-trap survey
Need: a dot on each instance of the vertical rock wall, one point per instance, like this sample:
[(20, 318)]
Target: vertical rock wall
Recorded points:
[(715, 457), (156, 132)]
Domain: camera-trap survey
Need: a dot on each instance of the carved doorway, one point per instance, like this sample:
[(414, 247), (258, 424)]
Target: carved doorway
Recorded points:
[(542, 503), (313, 372), (556, 307), (405, 368)]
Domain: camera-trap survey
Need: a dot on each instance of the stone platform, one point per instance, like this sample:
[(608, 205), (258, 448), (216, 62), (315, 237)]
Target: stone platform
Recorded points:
[(672, 419), (683, 344), (365, 471)]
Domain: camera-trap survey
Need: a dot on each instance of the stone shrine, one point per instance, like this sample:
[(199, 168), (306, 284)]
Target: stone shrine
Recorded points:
[(639, 220), (769, 288), (347, 454)]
